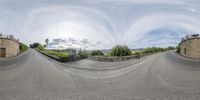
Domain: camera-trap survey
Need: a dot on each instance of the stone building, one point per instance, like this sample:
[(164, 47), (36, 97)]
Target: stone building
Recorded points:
[(9, 46), (190, 46)]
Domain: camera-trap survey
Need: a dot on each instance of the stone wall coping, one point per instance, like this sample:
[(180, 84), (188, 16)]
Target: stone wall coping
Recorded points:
[(9, 37), (189, 39), (17, 41)]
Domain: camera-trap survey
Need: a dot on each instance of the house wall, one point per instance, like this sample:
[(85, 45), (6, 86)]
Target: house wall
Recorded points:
[(191, 48), (11, 46)]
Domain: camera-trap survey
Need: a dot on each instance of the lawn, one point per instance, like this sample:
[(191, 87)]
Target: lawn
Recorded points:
[(56, 53)]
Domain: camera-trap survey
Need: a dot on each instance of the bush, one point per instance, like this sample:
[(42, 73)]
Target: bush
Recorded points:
[(58, 54), (40, 47), (153, 50), (137, 53), (23, 47), (97, 53), (82, 55), (157, 49), (178, 49), (37, 46), (120, 50), (34, 45)]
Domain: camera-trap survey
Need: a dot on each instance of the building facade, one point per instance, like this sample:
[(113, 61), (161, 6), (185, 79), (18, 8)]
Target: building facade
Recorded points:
[(9, 46), (190, 46)]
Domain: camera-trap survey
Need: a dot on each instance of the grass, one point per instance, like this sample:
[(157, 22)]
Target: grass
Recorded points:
[(58, 54)]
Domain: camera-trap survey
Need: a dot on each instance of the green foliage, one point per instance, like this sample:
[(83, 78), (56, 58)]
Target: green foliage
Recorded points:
[(97, 53), (137, 53), (82, 55), (152, 50), (170, 48), (37, 46), (40, 47), (23, 47), (120, 50), (157, 49), (178, 49), (56, 53), (34, 45)]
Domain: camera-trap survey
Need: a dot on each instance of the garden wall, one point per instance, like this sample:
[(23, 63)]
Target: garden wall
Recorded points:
[(112, 59)]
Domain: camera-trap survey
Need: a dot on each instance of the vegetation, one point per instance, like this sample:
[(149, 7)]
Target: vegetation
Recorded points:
[(47, 42), (23, 47), (56, 53), (152, 50), (178, 49), (157, 49), (37, 46), (120, 50), (82, 55), (97, 53), (137, 53), (40, 47), (34, 45)]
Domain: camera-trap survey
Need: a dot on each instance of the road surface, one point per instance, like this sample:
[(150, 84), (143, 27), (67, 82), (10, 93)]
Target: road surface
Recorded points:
[(163, 76)]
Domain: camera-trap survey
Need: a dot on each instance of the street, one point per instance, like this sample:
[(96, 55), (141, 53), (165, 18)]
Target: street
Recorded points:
[(162, 76)]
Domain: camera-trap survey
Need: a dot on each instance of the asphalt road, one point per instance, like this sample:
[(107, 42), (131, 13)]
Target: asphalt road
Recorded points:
[(163, 76)]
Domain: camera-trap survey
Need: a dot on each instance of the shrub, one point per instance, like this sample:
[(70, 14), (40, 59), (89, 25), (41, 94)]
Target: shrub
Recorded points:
[(34, 45), (153, 50), (58, 54), (97, 53), (137, 53), (23, 47), (178, 49), (82, 55), (40, 47), (120, 50)]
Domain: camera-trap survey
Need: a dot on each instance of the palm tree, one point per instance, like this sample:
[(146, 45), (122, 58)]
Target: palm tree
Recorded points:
[(47, 42)]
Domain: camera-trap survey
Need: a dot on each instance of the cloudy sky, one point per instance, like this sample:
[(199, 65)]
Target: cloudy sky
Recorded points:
[(100, 24)]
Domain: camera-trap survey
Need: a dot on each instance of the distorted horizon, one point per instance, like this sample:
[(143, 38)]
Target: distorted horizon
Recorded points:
[(100, 24)]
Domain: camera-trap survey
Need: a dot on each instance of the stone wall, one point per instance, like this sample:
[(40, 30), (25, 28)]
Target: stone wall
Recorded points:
[(113, 59), (190, 48), (11, 46)]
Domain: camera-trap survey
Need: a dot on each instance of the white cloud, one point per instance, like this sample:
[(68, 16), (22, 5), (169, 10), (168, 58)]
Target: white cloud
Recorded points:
[(104, 23)]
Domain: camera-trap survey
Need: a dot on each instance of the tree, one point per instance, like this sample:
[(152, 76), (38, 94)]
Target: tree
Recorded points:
[(23, 47), (34, 45), (178, 49), (40, 47), (47, 42), (120, 50), (97, 53), (37, 46)]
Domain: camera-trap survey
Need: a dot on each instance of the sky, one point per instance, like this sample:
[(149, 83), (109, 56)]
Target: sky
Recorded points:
[(100, 24)]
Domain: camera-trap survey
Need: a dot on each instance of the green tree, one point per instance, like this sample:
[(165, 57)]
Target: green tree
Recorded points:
[(97, 53), (40, 47), (178, 49), (120, 50), (23, 47), (37, 46)]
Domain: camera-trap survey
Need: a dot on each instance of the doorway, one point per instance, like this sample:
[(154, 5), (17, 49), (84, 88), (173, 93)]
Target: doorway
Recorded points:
[(2, 52)]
